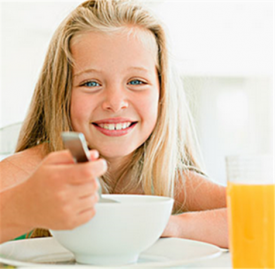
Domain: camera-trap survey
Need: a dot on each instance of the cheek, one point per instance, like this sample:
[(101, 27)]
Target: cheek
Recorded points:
[(78, 109), (149, 108)]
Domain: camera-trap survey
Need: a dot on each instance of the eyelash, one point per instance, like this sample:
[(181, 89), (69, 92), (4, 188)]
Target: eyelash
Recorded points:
[(139, 82), (85, 84), (90, 81)]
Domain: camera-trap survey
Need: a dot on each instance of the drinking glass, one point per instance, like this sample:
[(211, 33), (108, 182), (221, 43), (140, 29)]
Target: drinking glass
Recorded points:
[(250, 201)]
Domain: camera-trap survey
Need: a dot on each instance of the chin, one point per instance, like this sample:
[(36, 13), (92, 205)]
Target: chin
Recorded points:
[(115, 154)]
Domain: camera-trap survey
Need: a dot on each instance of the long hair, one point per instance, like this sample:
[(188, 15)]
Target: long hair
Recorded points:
[(169, 152)]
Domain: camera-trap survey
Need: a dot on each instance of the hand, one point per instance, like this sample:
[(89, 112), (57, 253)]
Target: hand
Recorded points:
[(61, 194), (171, 227), (208, 226)]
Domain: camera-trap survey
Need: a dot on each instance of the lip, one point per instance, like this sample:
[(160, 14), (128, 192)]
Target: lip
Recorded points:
[(114, 133), (113, 120)]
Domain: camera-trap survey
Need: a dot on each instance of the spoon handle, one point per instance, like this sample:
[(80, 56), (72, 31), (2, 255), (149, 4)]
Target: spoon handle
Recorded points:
[(77, 145)]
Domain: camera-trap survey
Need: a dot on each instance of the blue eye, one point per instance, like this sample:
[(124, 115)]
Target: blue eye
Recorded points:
[(90, 84), (136, 82)]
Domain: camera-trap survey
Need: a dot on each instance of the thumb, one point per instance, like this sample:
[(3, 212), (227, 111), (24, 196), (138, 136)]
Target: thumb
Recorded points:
[(93, 154)]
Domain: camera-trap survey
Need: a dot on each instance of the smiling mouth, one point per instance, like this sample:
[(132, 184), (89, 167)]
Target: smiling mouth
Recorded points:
[(115, 126)]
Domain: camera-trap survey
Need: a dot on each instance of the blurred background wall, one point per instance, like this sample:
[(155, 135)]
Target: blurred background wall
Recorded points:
[(223, 50)]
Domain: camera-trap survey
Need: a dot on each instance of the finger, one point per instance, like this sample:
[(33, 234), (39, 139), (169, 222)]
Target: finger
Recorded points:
[(85, 216), (93, 154), (88, 171), (87, 203), (59, 157), (81, 173), (82, 191)]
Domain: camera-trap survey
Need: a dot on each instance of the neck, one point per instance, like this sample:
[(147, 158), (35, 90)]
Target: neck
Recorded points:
[(118, 176), (116, 165)]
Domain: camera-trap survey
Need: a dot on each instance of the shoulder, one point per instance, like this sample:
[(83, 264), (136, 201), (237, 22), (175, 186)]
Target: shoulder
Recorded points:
[(28, 158), (197, 192), (190, 179), (17, 167)]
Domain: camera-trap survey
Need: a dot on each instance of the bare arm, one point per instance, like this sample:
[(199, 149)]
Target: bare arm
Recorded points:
[(11, 223), (206, 214), (59, 194), (209, 226), (18, 167), (14, 170)]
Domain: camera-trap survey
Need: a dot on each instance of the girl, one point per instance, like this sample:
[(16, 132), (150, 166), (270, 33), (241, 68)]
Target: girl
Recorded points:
[(107, 75)]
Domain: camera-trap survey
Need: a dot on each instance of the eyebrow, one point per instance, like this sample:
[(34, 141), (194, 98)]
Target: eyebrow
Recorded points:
[(91, 70), (139, 68)]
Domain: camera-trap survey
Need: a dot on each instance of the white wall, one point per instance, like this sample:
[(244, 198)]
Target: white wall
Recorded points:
[(221, 38), (26, 29), (224, 50), (233, 115)]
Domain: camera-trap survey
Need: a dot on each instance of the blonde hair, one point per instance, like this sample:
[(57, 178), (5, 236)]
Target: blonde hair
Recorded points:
[(171, 148)]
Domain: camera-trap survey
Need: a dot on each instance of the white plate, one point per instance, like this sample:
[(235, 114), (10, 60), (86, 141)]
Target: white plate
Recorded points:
[(166, 252)]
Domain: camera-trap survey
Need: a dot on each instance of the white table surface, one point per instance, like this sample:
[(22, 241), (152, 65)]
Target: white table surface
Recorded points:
[(223, 261)]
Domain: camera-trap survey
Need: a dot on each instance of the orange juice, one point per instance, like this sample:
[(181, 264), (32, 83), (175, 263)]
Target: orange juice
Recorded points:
[(251, 225)]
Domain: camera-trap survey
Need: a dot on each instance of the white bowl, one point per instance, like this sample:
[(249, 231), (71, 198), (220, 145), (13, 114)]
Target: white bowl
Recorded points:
[(119, 232)]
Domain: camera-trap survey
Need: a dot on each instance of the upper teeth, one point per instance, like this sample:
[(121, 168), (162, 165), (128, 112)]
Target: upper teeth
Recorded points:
[(115, 126)]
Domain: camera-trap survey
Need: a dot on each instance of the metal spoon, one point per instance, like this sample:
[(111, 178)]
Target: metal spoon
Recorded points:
[(76, 143)]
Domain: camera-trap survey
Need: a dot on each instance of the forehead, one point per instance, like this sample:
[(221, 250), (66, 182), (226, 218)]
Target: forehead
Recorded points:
[(130, 39)]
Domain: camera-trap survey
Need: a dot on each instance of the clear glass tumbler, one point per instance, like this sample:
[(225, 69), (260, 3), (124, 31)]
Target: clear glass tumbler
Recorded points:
[(250, 201)]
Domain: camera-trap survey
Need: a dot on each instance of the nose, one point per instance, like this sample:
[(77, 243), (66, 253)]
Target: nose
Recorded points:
[(115, 100)]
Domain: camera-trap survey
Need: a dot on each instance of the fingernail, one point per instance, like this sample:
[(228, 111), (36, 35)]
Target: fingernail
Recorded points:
[(105, 164), (96, 154), (97, 182)]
